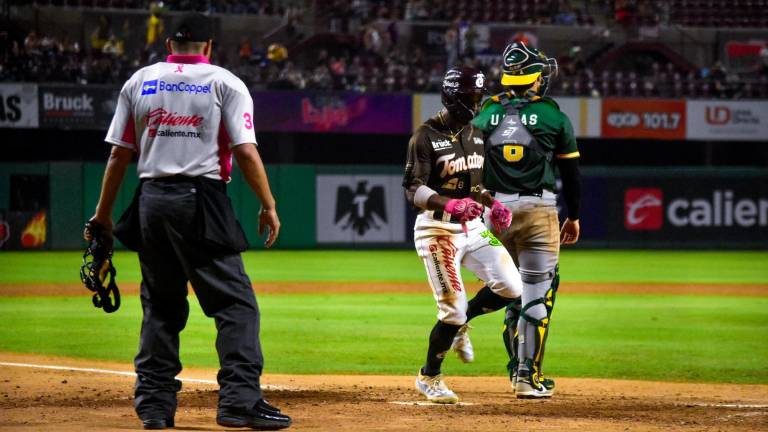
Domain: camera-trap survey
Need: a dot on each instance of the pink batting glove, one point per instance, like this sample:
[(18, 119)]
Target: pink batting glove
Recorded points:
[(464, 209), (501, 216)]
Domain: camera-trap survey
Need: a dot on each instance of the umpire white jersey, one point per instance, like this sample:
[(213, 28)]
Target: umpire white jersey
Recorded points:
[(183, 116)]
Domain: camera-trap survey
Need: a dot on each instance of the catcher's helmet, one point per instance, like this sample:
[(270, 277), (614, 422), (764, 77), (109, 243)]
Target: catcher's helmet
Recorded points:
[(523, 65), (463, 89)]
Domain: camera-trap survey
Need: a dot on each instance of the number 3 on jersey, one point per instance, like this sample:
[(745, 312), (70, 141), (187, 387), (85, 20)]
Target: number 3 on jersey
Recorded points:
[(512, 152), (248, 121)]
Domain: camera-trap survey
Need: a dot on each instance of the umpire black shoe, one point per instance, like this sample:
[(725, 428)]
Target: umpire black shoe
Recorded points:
[(262, 416), (158, 423)]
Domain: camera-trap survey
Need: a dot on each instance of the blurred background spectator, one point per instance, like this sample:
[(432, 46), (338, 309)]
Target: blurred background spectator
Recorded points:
[(399, 45)]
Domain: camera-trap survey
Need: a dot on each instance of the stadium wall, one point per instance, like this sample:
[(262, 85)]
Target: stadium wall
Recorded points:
[(364, 207), (72, 107)]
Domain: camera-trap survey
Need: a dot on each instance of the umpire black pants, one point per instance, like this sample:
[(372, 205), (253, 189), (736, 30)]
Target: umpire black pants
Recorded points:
[(170, 256)]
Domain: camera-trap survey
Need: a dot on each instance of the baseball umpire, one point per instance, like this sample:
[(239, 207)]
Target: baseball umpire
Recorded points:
[(526, 138), (443, 179), (184, 118)]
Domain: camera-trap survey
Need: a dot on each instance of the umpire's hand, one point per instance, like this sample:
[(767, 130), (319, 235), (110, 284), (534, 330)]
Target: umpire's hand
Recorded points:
[(569, 233), (268, 219)]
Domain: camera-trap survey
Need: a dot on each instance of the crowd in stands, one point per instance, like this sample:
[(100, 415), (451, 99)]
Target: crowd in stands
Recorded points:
[(378, 61), (239, 7), (42, 58), (630, 13)]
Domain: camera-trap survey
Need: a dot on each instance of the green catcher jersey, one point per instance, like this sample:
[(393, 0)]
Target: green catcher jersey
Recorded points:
[(515, 168)]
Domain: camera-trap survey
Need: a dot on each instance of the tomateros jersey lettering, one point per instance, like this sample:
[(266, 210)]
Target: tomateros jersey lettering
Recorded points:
[(183, 120), (514, 169), (451, 167)]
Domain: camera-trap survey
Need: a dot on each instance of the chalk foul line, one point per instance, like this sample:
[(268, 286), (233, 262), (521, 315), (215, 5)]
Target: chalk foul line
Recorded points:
[(130, 374)]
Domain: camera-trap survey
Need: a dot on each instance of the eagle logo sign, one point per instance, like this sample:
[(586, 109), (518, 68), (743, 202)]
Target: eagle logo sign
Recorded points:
[(360, 209)]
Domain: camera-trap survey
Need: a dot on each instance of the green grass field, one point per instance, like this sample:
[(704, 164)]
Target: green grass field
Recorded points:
[(404, 266), (653, 337)]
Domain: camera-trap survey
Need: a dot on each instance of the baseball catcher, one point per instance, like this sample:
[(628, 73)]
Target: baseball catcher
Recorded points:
[(442, 180), (526, 138), (97, 271)]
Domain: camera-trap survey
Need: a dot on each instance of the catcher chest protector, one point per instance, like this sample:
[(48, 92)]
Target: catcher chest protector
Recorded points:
[(512, 132)]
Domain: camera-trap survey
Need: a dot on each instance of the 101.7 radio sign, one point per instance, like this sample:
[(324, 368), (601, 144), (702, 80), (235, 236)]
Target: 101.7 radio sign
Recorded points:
[(636, 118)]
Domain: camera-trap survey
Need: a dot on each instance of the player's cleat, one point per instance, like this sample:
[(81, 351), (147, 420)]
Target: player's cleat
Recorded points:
[(157, 423), (548, 384), (463, 346), (262, 416), (529, 386), (435, 389), (513, 379)]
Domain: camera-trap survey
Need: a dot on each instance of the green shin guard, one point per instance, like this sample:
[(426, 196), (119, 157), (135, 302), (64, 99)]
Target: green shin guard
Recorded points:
[(549, 303)]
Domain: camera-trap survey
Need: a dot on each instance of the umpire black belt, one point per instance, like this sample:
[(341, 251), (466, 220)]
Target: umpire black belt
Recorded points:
[(216, 184)]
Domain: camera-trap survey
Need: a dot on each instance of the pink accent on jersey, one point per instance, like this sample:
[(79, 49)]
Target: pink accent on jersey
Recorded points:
[(187, 58), (129, 133), (225, 154)]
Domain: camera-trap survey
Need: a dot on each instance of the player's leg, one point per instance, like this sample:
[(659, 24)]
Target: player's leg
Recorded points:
[(225, 294), (549, 303), (511, 338), (165, 309), (509, 332), (538, 259), (442, 257), (487, 258), (489, 261)]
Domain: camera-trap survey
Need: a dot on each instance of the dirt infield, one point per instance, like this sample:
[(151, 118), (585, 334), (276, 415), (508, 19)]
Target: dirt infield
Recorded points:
[(412, 288), (65, 400)]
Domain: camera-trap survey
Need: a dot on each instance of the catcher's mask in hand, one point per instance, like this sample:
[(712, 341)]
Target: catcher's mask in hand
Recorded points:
[(97, 271)]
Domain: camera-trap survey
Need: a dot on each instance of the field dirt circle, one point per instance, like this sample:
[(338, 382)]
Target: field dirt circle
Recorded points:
[(34, 398), (66, 400)]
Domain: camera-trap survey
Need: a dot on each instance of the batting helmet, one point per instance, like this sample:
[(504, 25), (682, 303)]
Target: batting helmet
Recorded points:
[(462, 91), (523, 65)]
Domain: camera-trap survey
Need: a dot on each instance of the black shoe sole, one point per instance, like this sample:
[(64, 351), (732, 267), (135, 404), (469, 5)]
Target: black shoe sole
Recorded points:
[(156, 424), (236, 422)]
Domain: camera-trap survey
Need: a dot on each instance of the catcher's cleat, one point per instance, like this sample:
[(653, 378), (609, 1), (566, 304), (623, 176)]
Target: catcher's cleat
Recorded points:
[(548, 384), (529, 386), (435, 389), (513, 379), (463, 346)]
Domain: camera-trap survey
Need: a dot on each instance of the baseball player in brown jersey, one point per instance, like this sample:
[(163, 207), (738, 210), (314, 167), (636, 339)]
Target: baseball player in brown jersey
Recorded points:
[(443, 175)]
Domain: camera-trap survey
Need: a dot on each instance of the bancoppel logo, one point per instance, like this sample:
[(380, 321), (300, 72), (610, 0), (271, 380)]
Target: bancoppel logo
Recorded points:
[(152, 87), (149, 87), (623, 119), (643, 209)]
